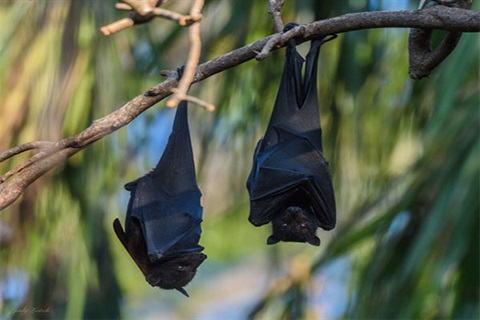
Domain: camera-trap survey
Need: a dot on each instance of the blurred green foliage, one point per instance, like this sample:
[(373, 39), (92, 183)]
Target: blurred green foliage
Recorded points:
[(404, 156)]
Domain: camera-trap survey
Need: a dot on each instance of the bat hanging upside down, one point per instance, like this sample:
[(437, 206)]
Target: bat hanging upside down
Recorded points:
[(162, 226), (290, 183)]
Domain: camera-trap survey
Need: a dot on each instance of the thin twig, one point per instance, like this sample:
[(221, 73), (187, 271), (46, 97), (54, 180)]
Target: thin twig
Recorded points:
[(192, 62), (144, 12), (171, 15), (22, 166), (117, 26), (275, 10), (123, 6), (275, 41), (142, 7), (47, 149), (208, 106), (24, 147), (438, 17)]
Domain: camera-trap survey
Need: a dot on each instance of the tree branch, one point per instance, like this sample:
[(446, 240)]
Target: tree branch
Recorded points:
[(24, 147), (422, 58), (275, 10), (437, 17), (145, 10), (192, 62)]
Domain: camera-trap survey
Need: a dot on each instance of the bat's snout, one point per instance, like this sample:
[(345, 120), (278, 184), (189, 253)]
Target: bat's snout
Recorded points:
[(294, 210), (153, 280)]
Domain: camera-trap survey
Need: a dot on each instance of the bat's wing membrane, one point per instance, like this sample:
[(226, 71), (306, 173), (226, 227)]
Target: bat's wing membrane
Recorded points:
[(170, 225), (117, 227), (289, 158), (162, 227), (166, 201), (288, 97), (138, 254), (293, 165), (175, 171)]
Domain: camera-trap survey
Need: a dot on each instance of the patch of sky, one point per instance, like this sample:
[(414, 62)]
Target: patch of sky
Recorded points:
[(390, 5)]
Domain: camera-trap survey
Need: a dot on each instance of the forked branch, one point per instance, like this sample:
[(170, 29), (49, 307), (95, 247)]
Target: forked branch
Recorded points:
[(422, 57)]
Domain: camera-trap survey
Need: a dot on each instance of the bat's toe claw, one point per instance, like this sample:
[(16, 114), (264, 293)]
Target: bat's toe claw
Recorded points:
[(183, 291)]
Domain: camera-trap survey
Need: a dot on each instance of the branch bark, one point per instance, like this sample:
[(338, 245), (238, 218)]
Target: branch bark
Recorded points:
[(193, 57), (275, 10), (422, 57), (437, 17), (143, 11)]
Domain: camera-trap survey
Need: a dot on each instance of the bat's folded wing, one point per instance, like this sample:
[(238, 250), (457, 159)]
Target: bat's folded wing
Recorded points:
[(136, 250), (264, 205), (171, 234), (292, 167), (170, 225)]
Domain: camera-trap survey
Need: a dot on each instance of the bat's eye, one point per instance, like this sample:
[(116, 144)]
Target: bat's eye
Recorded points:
[(284, 225), (180, 267), (303, 225)]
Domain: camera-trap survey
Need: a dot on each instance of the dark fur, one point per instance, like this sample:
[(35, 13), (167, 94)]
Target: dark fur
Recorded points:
[(290, 184), (170, 273), (162, 226)]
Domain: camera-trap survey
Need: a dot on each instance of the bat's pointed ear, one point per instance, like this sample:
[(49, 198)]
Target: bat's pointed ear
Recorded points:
[(272, 240), (183, 291), (314, 241)]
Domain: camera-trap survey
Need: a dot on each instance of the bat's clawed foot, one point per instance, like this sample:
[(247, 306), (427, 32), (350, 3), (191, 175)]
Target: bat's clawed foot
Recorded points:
[(290, 26), (180, 71), (314, 241), (272, 240), (183, 291)]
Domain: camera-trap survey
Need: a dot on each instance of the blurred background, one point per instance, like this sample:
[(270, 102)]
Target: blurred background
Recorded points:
[(404, 156)]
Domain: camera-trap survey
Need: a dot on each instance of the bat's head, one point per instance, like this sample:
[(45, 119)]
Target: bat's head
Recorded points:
[(294, 224), (174, 273)]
